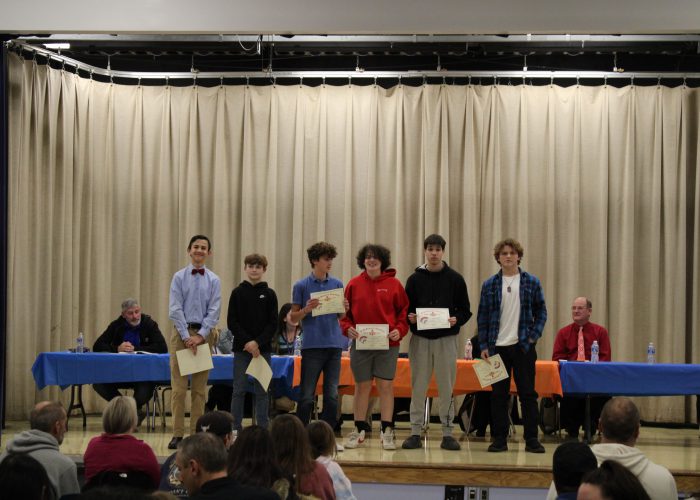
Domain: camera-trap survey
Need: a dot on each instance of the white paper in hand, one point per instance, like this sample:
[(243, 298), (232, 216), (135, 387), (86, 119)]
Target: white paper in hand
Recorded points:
[(259, 370), (189, 363)]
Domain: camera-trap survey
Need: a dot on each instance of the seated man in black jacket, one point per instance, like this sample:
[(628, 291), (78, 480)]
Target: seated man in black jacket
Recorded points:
[(130, 332)]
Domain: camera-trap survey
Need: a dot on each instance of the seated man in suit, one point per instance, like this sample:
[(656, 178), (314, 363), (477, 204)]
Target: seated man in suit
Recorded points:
[(130, 332), (573, 343)]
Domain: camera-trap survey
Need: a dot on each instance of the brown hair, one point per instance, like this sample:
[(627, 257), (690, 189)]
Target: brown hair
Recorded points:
[(381, 253), (292, 447), (321, 249), (255, 258), (321, 439), (508, 242)]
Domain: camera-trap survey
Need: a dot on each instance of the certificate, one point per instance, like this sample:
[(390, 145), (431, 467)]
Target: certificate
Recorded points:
[(432, 318), (330, 302), (372, 337), (260, 370), (490, 372), (189, 363)]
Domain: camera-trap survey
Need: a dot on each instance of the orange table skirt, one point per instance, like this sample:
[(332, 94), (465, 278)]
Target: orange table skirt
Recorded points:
[(547, 382)]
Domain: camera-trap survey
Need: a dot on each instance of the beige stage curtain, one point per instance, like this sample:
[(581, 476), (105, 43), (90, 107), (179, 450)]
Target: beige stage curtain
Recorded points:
[(108, 182)]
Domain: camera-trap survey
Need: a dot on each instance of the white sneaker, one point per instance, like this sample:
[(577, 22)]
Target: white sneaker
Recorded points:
[(388, 439), (339, 447), (355, 439)]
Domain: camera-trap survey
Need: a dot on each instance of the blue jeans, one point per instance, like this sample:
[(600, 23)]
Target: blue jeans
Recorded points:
[(313, 362), (241, 360)]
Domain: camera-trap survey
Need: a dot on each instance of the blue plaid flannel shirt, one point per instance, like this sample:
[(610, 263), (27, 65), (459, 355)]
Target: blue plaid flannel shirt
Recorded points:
[(533, 311)]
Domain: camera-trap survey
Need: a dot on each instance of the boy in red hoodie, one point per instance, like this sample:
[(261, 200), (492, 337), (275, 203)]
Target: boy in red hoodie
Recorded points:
[(375, 297)]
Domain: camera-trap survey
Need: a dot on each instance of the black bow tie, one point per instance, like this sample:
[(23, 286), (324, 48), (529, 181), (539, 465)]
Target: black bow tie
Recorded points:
[(198, 271)]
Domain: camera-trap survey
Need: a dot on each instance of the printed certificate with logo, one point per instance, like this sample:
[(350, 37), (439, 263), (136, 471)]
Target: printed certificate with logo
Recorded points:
[(491, 371), (372, 337), (330, 302), (432, 318)]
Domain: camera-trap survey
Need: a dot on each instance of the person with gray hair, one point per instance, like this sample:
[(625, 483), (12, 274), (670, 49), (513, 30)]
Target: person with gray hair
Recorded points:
[(202, 463), (48, 426), (132, 331), (117, 450)]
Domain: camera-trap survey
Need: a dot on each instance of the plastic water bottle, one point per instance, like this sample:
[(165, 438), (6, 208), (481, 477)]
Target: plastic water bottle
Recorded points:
[(651, 353), (468, 348), (80, 346), (595, 351), (297, 346)]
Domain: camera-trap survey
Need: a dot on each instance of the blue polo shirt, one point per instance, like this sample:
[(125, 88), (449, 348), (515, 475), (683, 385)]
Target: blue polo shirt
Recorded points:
[(320, 331)]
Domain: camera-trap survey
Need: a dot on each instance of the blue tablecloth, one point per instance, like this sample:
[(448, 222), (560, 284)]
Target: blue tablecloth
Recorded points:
[(629, 379), (67, 368)]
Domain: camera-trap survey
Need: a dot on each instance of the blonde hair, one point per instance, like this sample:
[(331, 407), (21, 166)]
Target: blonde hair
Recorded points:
[(120, 417)]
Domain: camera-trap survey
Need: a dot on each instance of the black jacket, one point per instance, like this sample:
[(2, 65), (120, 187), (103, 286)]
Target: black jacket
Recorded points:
[(151, 338), (444, 288), (252, 315)]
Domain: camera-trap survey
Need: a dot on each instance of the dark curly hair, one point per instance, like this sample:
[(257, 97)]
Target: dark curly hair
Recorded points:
[(382, 253), (321, 249)]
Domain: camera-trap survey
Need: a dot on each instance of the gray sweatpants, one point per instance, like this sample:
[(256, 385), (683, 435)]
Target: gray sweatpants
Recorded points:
[(426, 356)]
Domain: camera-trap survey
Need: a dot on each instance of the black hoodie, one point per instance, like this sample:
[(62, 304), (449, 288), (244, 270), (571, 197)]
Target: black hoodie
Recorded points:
[(252, 315), (444, 288)]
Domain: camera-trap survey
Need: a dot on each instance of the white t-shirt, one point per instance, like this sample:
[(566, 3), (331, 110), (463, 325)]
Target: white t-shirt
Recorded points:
[(510, 311)]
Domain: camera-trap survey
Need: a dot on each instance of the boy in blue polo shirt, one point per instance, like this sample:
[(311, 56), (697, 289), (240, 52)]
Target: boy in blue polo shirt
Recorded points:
[(323, 341)]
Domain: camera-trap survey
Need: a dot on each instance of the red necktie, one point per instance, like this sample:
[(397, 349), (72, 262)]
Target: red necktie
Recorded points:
[(581, 351), (198, 271)]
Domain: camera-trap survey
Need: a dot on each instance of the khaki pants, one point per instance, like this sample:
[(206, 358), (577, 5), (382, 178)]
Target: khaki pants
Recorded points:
[(178, 382)]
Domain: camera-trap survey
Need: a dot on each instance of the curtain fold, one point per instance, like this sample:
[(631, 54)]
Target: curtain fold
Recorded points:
[(108, 182)]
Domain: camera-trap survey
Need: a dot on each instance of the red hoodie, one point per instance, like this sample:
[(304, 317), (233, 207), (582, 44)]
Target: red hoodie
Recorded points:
[(376, 301)]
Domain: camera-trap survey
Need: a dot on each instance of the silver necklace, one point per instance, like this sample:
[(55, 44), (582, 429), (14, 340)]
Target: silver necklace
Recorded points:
[(511, 281)]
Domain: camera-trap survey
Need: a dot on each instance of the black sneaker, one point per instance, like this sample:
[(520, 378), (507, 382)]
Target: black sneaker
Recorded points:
[(412, 442), (450, 443), (172, 445), (498, 445), (142, 416), (534, 446)]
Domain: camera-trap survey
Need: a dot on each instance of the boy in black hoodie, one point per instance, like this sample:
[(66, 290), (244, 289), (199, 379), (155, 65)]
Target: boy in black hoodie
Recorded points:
[(435, 285), (252, 318)]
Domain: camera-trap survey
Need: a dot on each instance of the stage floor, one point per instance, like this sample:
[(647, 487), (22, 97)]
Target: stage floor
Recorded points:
[(677, 449)]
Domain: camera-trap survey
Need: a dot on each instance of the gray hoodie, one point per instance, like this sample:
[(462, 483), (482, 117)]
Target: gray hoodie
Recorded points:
[(43, 447)]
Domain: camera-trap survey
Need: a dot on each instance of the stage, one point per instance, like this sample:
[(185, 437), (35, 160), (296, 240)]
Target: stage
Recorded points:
[(677, 449)]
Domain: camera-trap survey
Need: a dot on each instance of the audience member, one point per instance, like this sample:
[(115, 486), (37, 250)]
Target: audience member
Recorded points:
[(115, 492), (287, 332), (322, 441), (611, 481), (619, 427), (22, 476), (201, 461), (47, 423), (219, 423), (116, 450), (293, 452), (569, 464), (252, 462), (574, 341), (130, 332)]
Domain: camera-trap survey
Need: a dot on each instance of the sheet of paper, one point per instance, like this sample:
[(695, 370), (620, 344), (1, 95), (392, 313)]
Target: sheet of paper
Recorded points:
[(372, 337), (189, 363), (490, 372), (432, 318), (259, 370), (330, 302)]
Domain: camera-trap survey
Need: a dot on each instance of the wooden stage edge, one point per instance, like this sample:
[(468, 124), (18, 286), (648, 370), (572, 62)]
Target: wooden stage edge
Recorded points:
[(473, 475)]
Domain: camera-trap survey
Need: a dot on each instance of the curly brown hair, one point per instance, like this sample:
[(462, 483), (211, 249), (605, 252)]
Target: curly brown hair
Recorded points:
[(382, 254), (321, 249), (508, 242)]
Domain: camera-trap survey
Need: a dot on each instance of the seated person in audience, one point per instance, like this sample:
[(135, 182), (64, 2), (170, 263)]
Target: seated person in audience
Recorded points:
[(572, 343), (130, 332), (287, 332), (619, 427), (252, 462), (570, 462), (219, 423), (323, 449), (294, 456), (22, 476), (117, 450), (611, 481), (252, 318), (201, 460), (47, 423)]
